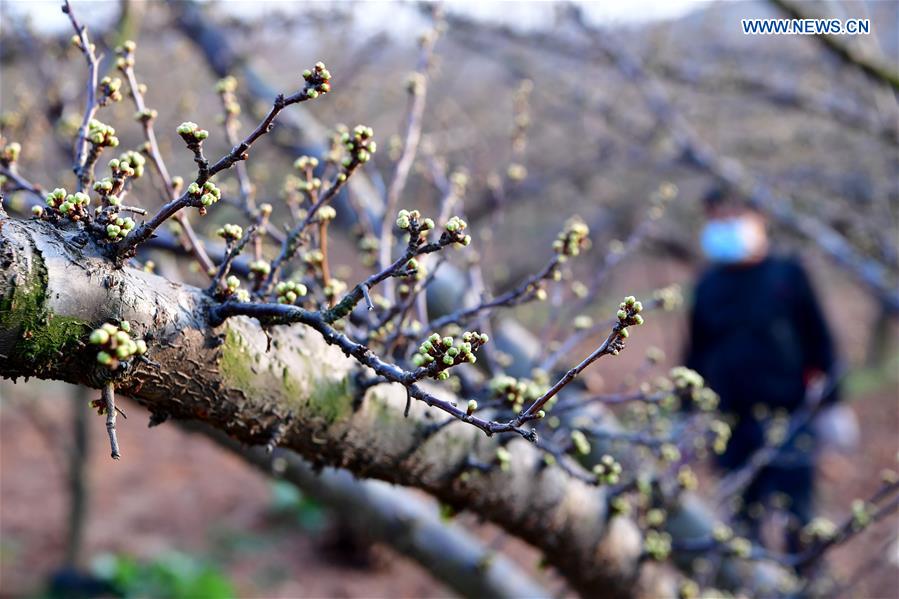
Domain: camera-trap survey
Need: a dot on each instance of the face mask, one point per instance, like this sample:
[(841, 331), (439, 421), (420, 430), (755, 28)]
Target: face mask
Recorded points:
[(729, 240)]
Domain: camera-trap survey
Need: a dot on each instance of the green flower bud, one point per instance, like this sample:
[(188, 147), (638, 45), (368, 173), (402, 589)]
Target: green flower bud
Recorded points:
[(186, 128), (99, 337)]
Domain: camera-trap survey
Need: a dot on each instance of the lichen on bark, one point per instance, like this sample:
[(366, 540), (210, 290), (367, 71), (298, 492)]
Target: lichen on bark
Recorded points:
[(32, 332)]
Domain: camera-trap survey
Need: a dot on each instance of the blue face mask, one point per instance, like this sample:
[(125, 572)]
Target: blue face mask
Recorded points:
[(726, 241)]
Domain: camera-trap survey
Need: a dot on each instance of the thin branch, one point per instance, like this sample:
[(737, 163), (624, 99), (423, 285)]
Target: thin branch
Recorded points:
[(90, 104), (237, 153), (194, 244), (606, 347), (108, 392), (418, 89)]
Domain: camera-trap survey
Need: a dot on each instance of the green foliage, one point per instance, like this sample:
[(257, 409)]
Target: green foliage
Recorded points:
[(171, 576), (287, 500)]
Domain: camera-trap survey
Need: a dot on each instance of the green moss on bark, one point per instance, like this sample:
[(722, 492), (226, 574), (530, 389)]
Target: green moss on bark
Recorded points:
[(308, 385), (235, 361), (42, 336)]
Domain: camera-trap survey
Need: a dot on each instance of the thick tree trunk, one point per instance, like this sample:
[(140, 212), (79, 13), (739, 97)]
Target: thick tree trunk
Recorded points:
[(398, 518), (55, 287)]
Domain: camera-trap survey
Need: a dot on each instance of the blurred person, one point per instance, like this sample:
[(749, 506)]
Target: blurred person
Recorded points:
[(760, 340)]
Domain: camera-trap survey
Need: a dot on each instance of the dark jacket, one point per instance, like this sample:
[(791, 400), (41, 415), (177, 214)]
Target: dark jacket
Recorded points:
[(756, 334)]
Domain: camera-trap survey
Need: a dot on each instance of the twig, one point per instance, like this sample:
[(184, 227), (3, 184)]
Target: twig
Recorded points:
[(194, 244), (605, 347), (108, 392), (523, 292), (418, 89), (90, 104)]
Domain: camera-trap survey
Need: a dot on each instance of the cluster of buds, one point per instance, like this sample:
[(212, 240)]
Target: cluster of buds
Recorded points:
[(740, 547), (572, 239), (417, 227), (628, 315), (226, 87), (817, 531), (146, 115), (73, 205), (368, 249), (232, 289), (306, 165), (333, 289), (259, 269), (414, 270), (607, 471), (657, 545), (655, 518), (669, 453), (335, 151), (318, 80), (110, 90), (455, 230), (686, 478), (720, 435), (446, 352), (313, 259), (116, 345), (191, 133), (690, 387), (722, 533), (101, 135), (619, 506), (326, 214), (129, 164), (10, 153), (206, 196), (410, 220), (119, 228), (669, 298), (359, 145), (230, 233), (288, 292), (516, 391), (125, 54)]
